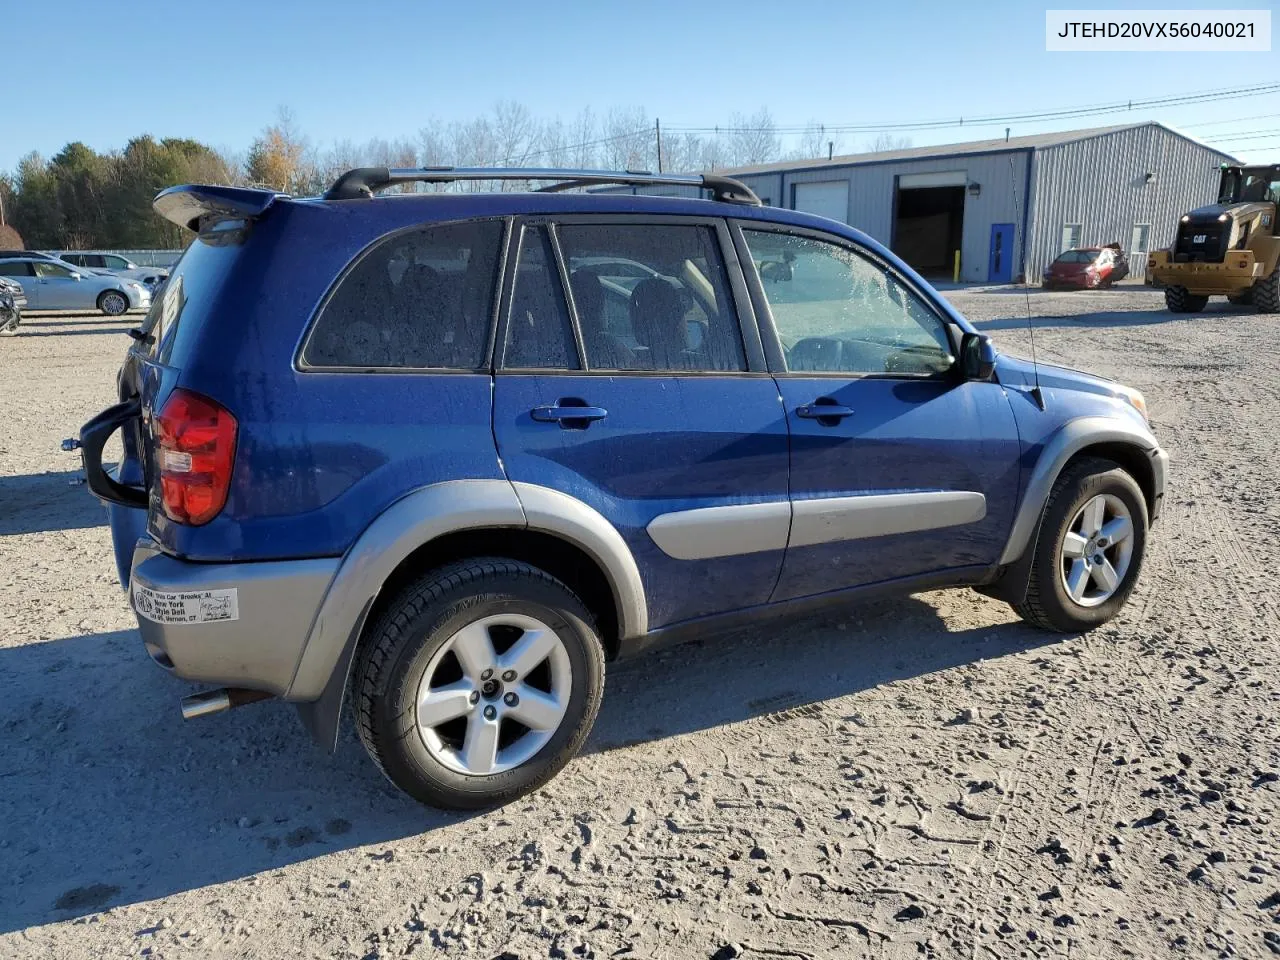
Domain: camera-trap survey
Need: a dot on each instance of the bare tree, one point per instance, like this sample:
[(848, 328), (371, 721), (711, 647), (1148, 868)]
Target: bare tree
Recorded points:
[(628, 140), (753, 139), (814, 143), (885, 142)]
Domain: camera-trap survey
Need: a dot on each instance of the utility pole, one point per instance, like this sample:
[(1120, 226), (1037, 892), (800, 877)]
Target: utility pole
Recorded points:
[(657, 131)]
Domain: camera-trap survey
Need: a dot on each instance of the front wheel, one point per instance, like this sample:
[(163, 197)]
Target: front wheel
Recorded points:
[(1266, 293), (1179, 300), (479, 683), (113, 303), (1090, 548)]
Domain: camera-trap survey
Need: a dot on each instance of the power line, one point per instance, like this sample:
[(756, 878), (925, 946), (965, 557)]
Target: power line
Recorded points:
[(1258, 135), (1218, 123), (1066, 113)]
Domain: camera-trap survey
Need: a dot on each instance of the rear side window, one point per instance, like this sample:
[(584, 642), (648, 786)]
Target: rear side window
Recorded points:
[(539, 334), (421, 299), (652, 297), (15, 268)]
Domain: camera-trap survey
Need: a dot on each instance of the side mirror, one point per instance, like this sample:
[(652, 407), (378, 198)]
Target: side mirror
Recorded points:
[(74, 275), (978, 356)]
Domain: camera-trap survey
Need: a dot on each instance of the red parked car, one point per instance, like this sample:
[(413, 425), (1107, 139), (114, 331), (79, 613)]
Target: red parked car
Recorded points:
[(1087, 267)]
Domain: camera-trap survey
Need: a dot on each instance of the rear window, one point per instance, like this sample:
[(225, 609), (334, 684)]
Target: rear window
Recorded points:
[(193, 285), (422, 299)]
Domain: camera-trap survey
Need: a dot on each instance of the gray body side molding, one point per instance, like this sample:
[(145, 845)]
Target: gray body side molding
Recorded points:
[(1072, 437), (726, 531), (831, 519), (319, 683)]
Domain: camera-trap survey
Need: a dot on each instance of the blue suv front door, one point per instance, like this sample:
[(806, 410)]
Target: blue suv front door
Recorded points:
[(637, 395), (898, 467)]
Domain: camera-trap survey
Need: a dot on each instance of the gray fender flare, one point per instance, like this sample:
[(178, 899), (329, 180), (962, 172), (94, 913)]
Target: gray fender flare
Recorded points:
[(320, 680), (1072, 437)]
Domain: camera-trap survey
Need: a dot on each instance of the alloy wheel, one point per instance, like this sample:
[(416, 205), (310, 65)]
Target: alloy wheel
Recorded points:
[(494, 694), (1097, 550)]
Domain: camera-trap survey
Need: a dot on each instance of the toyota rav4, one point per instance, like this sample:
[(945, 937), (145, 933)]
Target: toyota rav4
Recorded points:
[(443, 455)]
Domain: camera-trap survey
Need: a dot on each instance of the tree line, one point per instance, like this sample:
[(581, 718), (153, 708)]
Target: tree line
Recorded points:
[(82, 199)]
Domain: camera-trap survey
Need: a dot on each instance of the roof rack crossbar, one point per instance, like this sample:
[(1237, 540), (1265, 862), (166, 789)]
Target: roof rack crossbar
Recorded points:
[(366, 181)]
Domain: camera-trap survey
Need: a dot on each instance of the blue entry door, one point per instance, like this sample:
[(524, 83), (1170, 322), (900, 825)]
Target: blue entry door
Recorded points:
[(1000, 262)]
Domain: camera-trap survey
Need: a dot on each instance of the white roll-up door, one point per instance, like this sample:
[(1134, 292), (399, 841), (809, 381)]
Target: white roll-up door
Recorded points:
[(827, 199)]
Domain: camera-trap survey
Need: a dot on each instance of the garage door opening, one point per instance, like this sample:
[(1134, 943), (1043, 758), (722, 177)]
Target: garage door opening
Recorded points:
[(928, 227)]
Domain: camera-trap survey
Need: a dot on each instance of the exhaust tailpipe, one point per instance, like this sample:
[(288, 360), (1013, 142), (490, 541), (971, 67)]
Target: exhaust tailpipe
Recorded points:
[(210, 702)]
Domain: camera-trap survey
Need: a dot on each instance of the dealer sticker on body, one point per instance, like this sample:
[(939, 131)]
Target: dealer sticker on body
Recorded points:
[(188, 606)]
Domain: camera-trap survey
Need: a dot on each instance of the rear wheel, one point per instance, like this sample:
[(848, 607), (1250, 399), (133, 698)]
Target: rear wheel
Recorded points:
[(9, 326), (1178, 300), (1266, 293), (479, 683), (113, 303), (1090, 548)]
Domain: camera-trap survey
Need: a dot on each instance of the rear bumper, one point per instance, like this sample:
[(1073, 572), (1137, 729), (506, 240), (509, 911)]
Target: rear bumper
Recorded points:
[(230, 624)]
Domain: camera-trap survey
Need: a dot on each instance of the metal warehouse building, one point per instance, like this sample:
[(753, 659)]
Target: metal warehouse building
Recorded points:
[(1008, 206)]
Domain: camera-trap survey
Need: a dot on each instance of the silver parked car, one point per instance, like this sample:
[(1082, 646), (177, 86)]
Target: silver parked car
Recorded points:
[(54, 285), (115, 264)]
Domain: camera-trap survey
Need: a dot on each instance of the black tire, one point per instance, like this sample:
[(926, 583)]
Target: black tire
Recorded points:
[(399, 647), (1047, 603), (1266, 293), (109, 302), (1178, 300), (9, 328)]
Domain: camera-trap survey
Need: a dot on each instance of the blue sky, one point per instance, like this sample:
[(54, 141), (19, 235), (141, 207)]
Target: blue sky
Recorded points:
[(102, 73)]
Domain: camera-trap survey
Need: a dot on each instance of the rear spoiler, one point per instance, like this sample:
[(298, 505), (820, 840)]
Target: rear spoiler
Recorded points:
[(190, 204)]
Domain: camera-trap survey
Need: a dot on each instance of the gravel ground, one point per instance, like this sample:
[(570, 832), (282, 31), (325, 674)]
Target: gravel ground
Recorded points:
[(918, 777)]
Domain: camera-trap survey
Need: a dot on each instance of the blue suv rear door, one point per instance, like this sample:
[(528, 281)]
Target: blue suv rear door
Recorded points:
[(899, 466), (625, 379)]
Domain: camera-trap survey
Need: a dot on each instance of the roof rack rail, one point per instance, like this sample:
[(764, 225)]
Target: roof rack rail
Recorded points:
[(366, 181)]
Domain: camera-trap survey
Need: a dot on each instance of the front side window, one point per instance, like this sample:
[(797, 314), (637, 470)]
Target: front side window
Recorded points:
[(116, 263), (837, 311), (51, 270), (421, 299), (652, 297)]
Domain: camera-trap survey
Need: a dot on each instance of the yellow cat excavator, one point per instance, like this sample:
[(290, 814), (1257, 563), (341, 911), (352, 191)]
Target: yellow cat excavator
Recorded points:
[(1230, 247)]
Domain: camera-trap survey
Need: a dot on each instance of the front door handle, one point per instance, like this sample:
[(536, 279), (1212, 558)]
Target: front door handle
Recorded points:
[(825, 410), (570, 412)]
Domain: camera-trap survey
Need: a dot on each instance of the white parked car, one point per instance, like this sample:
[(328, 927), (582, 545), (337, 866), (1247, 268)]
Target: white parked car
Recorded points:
[(54, 285), (115, 264)]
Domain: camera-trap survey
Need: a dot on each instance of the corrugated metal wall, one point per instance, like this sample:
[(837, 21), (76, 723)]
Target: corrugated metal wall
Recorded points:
[(1101, 184), (1000, 199)]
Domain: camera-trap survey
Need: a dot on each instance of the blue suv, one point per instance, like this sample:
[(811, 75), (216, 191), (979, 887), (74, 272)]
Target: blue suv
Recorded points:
[(447, 454)]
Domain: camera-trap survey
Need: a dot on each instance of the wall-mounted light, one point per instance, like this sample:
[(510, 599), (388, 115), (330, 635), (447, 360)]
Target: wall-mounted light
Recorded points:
[(1150, 178), (975, 189)]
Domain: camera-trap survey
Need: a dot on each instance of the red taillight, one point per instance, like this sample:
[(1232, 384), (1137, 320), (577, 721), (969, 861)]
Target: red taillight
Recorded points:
[(195, 449)]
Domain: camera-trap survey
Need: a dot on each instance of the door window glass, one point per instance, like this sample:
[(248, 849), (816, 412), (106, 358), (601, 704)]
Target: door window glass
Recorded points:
[(652, 297), (421, 299), (539, 334), (115, 263), (14, 268), (51, 270), (837, 311)]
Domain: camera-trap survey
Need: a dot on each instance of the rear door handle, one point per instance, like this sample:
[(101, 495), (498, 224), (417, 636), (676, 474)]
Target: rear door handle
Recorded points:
[(824, 411), (568, 414)]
